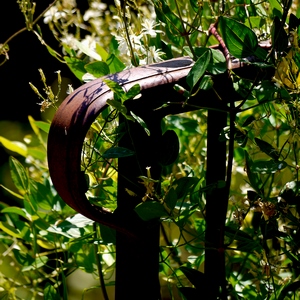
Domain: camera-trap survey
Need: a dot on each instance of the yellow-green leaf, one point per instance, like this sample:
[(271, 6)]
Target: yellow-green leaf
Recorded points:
[(9, 230), (14, 146)]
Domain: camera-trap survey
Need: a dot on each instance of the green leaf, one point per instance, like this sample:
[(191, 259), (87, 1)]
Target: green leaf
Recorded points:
[(287, 288), (171, 198), (255, 22), (41, 195), (117, 152), (150, 210), (195, 5), (101, 51), (97, 68), (196, 277), (200, 225), (241, 137), (248, 121), (183, 185), (14, 146), (254, 179), (276, 8), (133, 91), (19, 175), (116, 88), (268, 167), (108, 235), (33, 126), (12, 231), (218, 63), (267, 148), (43, 126), (261, 54), (206, 83), (37, 153), (240, 40), (199, 68), (39, 262), (118, 105), (15, 210), (141, 122), (50, 293), (22, 258), (76, 65), (12, 192), (115, 65)]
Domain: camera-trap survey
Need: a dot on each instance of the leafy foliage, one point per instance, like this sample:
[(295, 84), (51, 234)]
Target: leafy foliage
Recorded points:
[(43, 240)]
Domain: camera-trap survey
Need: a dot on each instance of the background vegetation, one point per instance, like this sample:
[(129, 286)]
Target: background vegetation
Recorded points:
[(44, 242)]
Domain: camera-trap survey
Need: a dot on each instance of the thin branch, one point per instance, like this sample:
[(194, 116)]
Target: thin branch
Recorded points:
[(99, 265)]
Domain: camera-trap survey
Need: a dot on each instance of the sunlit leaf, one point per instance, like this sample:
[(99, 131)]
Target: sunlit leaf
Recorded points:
[(12, 192), (14, 146), (39, 262), (15, 210), (268, 167), (97, 68), (240, 40), (276, 8), (120, 107), (141, 122), (50, 293), (10, 230), (218, 63), (101, 51), (115, 64), (76, 65), (45, 126), (133, 91), (19, 175), (206, 83), (37, 153), (199, 68)]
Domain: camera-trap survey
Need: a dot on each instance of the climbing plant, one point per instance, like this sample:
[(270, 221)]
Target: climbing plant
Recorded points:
[(255, 209)]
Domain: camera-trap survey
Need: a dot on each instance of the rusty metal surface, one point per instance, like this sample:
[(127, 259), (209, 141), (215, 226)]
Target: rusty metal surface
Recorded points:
[(73, 120)]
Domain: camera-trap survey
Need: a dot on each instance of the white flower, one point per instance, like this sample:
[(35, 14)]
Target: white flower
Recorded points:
[(99, 6), (95, 11), (53, 15), (135, 41), (148, 28), (69, 40), (154, 55)]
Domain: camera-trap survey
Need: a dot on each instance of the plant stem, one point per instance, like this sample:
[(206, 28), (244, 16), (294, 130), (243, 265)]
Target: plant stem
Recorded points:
[(99, 265), (128, 36), (185, 33)]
